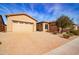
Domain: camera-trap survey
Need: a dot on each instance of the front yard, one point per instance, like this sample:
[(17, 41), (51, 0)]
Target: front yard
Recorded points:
[(29, 43)]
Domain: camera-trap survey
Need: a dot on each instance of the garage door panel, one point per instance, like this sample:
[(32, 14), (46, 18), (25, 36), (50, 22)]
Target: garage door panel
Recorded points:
[(22, 27)]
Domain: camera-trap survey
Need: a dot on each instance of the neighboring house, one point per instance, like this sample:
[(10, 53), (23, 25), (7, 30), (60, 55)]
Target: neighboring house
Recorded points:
[(2, 25), (47, 26), (20, 23), (76, 27)]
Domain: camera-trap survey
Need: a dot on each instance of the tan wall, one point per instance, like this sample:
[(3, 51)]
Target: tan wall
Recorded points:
[(19, 18), (53, 27)]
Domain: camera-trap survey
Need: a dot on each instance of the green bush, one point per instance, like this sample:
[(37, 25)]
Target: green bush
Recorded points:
[(75, 32)]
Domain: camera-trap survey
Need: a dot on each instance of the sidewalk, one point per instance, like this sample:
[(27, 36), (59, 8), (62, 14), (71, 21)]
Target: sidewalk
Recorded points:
[(70, 48)]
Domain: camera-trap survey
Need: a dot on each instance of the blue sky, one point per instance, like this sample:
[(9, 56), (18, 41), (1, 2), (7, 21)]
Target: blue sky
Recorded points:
[(42, 11)]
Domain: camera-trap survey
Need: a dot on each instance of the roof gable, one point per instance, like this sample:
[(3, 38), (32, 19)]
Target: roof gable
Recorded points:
[(20, 14)]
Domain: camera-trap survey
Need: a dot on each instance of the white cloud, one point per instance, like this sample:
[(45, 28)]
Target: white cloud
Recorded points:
[(5, 8)]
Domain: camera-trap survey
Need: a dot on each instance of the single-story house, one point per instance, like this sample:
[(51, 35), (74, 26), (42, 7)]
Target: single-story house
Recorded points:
[(20, 23), (47, 26), (2, 25), (25, 23)]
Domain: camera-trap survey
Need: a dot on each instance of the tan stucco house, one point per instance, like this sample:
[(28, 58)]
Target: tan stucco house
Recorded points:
[(20, 23), (25, 23), (47, 26)]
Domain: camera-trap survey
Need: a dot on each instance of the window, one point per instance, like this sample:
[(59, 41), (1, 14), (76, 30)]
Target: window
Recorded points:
[(46, 26)]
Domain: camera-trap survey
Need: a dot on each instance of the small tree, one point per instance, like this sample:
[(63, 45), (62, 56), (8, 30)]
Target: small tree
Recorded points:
[(64, 22)]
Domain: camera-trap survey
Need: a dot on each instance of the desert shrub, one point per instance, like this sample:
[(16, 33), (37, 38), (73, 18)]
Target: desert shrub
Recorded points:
[(55, 32), (66, 36), (75, 32), (69, 33)]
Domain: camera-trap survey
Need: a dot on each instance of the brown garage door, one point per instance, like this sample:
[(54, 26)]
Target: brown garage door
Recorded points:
[(22, 27)]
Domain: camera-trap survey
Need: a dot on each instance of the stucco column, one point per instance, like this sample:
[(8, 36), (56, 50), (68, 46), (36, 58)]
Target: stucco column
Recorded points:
[(34, 27), (43, 27), (9, 25)]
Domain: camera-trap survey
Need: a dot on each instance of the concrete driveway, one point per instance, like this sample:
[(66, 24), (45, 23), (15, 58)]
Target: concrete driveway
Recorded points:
[(29, 43)]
